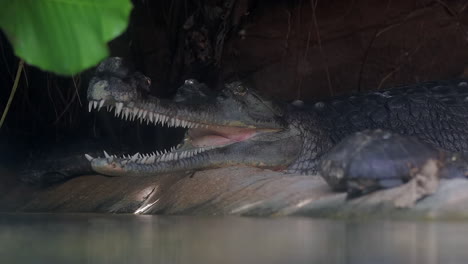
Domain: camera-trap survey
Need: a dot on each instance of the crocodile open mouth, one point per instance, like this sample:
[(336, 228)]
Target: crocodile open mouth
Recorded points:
[(200, 137)]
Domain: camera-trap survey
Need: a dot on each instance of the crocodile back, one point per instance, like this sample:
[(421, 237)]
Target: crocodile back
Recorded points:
[(436, 112)]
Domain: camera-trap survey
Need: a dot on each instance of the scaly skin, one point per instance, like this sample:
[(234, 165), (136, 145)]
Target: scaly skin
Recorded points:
[(238, 126)]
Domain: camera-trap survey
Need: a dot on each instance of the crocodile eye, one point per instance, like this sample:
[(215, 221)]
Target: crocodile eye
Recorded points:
[(237, 88)]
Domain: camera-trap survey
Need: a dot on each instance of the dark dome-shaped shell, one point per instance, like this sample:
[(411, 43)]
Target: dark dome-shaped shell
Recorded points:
[(373, 159)]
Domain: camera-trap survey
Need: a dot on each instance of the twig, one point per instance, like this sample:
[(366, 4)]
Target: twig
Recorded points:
[(76, 89), (286, 43), (396, 69), (364, 60), (313, 4), (70, 102), (306, 53), (13, 91)]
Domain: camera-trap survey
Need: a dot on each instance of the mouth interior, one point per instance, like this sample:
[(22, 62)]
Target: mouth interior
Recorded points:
[(219, 136)]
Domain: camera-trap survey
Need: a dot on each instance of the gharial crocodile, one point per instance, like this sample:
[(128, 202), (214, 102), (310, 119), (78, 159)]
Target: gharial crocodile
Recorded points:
[(238, 126)]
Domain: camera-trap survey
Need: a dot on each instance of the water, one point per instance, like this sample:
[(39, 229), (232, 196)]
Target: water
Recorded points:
[(82, 238)]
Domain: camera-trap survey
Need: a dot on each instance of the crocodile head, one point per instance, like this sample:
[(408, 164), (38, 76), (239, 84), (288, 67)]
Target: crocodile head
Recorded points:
[(234, 127)]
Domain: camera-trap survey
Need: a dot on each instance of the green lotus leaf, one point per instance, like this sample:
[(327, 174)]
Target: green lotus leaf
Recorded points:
[(63, 36)]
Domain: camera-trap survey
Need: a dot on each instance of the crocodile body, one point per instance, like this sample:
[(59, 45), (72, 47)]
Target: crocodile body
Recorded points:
[(433, 112), (360, 143)]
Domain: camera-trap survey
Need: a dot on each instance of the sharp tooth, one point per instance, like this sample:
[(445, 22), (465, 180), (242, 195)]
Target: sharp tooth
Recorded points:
[(151, 159), (177, 123), (118, 108), (172, 122), (106, 155), (88, 157), (135, 111), (135, 157), (90, 106), (157, 118), (95, 104), (101, 103), (145, 112)]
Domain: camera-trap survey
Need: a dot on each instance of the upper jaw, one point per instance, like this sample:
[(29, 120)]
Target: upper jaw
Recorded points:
[(190, 108), (166, 112)]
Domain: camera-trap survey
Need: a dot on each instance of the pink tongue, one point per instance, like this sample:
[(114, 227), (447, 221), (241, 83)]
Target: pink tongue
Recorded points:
[(203, 138), (211, 141)]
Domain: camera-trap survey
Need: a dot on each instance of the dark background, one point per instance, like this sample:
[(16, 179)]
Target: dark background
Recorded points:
[(287, 49)]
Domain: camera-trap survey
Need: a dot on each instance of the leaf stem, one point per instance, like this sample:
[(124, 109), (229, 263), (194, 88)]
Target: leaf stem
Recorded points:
[(13, 91)]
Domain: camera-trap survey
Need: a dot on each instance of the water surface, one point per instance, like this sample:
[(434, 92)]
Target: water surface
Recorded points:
[(83, 238)]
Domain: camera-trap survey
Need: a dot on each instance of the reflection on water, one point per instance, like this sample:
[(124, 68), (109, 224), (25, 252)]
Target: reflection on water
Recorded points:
[(51, 238)]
